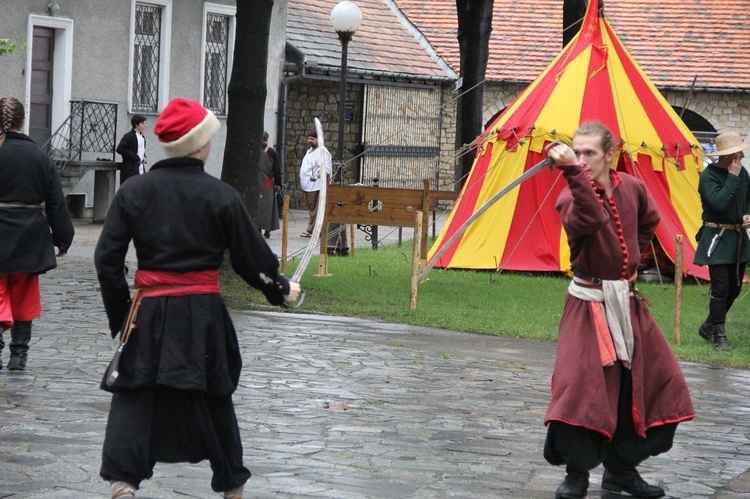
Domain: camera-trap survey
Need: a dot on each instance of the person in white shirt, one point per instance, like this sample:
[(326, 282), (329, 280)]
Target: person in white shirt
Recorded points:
[(132, 148), (309, 174)]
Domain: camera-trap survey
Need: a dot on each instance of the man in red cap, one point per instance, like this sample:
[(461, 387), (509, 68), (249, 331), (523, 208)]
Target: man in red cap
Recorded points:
[(180, 362)]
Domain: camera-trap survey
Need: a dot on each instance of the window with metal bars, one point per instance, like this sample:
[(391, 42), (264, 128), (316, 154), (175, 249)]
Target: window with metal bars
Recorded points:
[(146, 53), (215, 72)]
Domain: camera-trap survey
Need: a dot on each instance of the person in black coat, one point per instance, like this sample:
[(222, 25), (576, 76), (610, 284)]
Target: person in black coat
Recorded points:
[(270, 208), (33, 220), (132, 148), (172, 396)]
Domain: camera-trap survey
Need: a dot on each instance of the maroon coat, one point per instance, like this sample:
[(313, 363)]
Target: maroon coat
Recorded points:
[(583, 392)]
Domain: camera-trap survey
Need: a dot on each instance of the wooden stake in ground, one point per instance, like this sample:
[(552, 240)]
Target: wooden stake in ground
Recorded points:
[(415, 258), (678, 291), (284, 233)]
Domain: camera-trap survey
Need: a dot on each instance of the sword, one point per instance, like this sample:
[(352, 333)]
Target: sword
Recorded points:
[(300, 271), (113, 371), (714, 242), (547, 163)]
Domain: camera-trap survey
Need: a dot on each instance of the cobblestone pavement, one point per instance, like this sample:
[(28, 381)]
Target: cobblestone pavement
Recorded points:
[(339, 407)]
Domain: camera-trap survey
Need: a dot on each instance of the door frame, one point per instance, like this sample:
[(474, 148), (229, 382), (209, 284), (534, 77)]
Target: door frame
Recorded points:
[(62, 71)]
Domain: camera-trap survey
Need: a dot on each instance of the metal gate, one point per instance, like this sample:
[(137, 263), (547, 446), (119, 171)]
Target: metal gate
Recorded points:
[(401, 136)]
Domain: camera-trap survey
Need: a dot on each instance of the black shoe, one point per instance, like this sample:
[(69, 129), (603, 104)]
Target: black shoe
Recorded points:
[(631, 482), (17, 363), (707, 331), (267, 235), (573, 487), (720, 338), (20, 335)]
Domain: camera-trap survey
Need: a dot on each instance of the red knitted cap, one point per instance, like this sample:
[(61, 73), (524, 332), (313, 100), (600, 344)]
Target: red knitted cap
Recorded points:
[(184, 127)]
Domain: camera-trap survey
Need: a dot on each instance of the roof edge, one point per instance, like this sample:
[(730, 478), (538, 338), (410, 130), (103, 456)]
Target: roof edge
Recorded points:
[(379, 72), (421, 39)]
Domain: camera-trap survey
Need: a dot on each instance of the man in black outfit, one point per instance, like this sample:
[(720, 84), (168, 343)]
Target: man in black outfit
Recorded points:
[(132, 148), (172, 397)]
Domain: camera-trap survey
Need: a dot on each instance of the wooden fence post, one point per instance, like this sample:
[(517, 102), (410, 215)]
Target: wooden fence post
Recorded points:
[(415, 258), (678, 291), (284, 233)]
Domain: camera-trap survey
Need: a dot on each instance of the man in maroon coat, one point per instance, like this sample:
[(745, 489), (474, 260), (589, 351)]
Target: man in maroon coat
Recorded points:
[(618, 392)]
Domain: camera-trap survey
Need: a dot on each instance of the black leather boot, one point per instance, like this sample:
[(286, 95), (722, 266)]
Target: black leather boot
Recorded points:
[(707, 331), (720, 338), (20, 335), (2, 346), (631, 482), (574, 486)]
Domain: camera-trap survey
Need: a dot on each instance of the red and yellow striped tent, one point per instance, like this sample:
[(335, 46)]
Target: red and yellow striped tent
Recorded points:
[(593, 78)]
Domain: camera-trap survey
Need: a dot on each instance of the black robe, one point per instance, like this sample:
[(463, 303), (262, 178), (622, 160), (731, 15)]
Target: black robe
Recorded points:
[(181, 219), (28, 235)]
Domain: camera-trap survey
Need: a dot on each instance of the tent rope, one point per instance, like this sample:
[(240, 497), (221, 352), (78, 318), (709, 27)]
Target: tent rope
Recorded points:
[(465, 148), (528, 225)]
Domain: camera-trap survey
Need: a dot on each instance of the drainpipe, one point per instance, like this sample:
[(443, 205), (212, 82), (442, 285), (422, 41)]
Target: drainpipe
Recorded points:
[(281, 124), (296, 55)]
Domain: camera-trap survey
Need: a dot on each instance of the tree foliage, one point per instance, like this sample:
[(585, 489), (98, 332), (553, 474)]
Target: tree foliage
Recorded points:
[(8, 46), (247, 99)]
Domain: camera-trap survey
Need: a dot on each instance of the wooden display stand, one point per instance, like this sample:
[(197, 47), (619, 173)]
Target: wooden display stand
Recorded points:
[(382, 206)]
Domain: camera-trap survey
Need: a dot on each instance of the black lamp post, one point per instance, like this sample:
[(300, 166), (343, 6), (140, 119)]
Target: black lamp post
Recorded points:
[(346, 18)]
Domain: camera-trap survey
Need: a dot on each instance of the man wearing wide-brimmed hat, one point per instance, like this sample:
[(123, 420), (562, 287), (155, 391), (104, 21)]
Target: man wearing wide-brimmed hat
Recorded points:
[(723, 242)]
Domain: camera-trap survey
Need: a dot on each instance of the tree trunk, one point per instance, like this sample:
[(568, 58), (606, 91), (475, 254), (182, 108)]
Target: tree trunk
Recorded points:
[(573, 13), (474, 28), (247, 100)]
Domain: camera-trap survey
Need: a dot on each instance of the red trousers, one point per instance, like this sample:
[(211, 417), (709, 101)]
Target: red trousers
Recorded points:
[(20, 299)]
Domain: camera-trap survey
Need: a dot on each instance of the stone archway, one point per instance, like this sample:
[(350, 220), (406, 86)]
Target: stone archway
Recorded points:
[(703, 130)]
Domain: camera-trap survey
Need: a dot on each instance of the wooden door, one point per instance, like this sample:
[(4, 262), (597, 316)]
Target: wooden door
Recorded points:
[(40, 109)]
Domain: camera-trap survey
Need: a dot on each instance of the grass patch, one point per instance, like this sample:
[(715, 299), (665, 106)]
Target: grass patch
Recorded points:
[(375, 284)]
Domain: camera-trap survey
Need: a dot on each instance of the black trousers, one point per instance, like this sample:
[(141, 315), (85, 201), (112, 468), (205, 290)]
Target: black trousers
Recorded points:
[(171, 426), (583, 450), (726, 284)]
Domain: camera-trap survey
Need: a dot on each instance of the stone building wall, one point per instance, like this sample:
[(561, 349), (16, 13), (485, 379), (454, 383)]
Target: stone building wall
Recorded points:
[(498, 97), (310, 99), (725, 111), (448, 159)]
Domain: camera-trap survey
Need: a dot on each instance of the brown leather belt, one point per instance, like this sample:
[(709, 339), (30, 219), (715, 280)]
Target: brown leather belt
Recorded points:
[(715, 225), (596, 282), (113, 371)]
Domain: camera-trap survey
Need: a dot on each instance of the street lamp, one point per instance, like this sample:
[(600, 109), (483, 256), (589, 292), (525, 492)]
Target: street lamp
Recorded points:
[(345, 18)]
